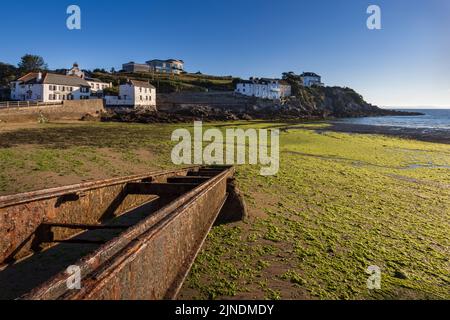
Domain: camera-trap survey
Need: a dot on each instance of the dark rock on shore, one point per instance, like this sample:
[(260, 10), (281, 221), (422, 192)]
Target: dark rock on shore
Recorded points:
[(200, 113)]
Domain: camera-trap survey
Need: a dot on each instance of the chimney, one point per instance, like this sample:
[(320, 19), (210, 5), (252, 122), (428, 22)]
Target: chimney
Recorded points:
[(39, 76)]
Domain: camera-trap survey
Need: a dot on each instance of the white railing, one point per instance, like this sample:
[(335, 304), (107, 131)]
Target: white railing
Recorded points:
[(115, 101), (25, 104)]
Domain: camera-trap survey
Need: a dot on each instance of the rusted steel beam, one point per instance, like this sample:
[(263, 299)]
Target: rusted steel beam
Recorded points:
[(203, 173), (168, 248), (160, 189), (80, 241), (80, 226), (86, 203), (148, 260), (198, 179)]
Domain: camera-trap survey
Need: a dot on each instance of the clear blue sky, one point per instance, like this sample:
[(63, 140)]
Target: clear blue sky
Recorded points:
[(407, 63)]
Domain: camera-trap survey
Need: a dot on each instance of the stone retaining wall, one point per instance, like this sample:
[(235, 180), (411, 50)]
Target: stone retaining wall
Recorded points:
[(68, 110)]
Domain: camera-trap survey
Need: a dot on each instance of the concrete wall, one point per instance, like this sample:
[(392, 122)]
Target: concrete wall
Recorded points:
[(69, 110)]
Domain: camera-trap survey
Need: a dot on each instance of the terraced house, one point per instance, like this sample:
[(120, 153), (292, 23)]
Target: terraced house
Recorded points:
[(264, 88), (49, 87)]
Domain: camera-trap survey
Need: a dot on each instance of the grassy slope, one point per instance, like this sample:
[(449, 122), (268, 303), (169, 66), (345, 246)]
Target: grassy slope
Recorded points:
[(165, 83), (339, 204)]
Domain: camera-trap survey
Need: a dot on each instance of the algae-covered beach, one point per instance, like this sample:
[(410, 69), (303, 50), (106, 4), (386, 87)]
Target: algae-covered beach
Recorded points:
[(340, 203)]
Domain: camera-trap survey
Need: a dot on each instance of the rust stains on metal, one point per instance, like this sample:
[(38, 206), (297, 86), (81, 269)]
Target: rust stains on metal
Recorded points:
[(132, 238)]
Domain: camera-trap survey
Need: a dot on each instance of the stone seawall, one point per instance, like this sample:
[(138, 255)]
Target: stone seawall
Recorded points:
[(68, 110), (180, 100)]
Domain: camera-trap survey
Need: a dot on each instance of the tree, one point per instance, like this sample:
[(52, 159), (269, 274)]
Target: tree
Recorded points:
[(8, 73), (114, 91), (295, 81), (99, 70), (32, 63)]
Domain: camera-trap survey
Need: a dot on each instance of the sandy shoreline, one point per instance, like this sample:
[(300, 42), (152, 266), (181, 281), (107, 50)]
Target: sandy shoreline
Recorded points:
[(423, 134)]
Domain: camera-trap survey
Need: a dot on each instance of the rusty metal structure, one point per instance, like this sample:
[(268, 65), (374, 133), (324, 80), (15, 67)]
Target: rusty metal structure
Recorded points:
[(130, 238)]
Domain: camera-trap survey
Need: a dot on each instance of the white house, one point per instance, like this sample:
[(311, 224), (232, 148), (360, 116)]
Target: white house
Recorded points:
[(311, 79), (97, 86), (133, 94), (274, 89), (49, 87)]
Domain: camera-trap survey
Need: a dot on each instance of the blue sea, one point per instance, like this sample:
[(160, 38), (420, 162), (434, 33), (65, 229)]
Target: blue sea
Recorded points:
[(438, 119)]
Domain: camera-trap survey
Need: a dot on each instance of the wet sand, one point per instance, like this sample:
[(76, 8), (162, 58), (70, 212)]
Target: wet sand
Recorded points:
[(423, 134)]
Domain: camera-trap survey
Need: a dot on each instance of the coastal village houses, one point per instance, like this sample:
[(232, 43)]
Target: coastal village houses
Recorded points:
[(171, 66), (264, 88), (134, 94), (48, 87), (51, 87)]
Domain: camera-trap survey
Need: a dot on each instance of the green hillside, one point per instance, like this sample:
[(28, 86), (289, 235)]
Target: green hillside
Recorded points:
[(166, 83)]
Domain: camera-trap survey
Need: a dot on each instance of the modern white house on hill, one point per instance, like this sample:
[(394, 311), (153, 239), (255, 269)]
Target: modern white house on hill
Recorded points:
[(311, 79), (274, 89), (134, 94), (170, 66), (49, 87), (174, 66)]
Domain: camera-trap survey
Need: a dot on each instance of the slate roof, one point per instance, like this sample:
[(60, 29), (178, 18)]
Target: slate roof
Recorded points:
[(142, 84), (51, 78), (264, 81)]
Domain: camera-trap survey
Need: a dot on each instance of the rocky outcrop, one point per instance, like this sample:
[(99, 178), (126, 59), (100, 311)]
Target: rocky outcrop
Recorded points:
[(335, 102)]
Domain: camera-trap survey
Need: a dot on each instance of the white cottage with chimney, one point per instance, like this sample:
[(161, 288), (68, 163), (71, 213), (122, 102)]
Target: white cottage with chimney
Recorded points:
[(49, 87)]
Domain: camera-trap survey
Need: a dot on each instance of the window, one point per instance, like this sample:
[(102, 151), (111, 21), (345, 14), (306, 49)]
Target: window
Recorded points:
[(50, 96), (140, 98)]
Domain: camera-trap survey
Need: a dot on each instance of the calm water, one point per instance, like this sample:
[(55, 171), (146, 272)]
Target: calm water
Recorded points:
[(433, 119)]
